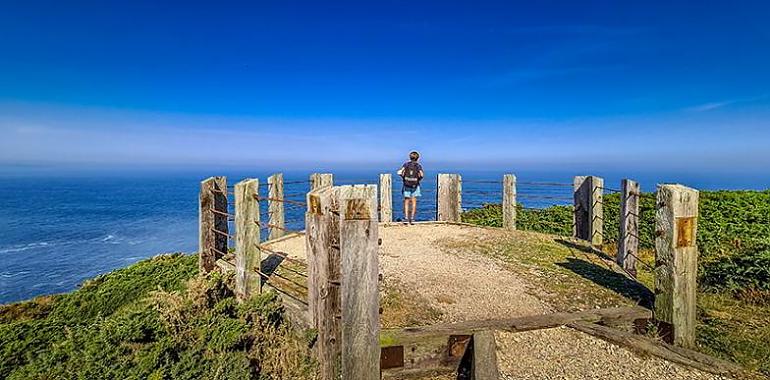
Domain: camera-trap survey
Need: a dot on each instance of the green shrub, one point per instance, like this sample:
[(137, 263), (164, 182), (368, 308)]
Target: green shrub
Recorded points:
[(733, 232), (489, 215), (153, 320), (748, 269), (555, 220), (108, 293)]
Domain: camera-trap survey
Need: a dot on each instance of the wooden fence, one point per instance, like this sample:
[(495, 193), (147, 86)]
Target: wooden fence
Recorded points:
[(340, 273)]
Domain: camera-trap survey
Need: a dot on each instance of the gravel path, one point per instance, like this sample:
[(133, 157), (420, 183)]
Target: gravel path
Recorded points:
[(563, 353), (462, 287)]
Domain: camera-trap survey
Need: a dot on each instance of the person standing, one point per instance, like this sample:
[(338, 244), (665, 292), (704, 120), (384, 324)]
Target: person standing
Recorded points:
[(411, 174)]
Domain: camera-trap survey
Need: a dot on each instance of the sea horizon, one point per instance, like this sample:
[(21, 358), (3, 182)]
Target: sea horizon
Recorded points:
[(59, 229)]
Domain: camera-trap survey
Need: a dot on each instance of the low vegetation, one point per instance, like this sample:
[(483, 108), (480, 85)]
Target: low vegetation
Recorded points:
[(153, 320), (566, 275), (400, 308), (734, 263)]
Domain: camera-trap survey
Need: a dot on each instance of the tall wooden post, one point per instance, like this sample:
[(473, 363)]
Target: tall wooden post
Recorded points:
[(322, 244), (247, 253), (581, 228), (275, 208), (212, 222), (449, 198), (588, 220), (628, 246), (509, 202), (318, 180), (676, 263), (386, 198), (360, 296)]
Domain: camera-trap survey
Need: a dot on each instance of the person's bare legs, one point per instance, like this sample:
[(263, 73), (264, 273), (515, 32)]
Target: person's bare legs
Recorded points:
[(406, 209), (414, 208)]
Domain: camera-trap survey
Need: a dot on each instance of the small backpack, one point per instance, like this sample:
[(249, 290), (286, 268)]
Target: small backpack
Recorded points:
[(411, 174)]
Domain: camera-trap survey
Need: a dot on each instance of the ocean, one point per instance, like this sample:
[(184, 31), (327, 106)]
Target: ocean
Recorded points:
[(58, 230)]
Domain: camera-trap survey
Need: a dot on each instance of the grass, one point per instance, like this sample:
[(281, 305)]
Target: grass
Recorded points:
[(153, 320), (402, 308), (567, 275), (731, 224), (734, 264), (734, 329)]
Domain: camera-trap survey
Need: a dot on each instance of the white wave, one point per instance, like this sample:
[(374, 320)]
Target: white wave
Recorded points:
[(110, 239), (11, 275), (22, 248)]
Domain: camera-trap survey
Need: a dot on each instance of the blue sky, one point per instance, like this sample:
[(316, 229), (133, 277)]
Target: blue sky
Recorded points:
[(527, 84)]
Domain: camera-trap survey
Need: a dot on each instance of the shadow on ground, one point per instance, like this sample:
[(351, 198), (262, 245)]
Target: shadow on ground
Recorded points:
[(585, 248), (607, 278), (269, 265)]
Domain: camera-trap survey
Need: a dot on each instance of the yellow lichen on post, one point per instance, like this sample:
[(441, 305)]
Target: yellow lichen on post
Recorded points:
[(319, 180), (322, 246), (676, 263), (359, 282)]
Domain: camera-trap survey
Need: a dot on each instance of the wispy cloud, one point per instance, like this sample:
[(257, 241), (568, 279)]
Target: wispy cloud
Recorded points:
[(579, 29), (721, 104), (709, 106), (528, 75), (548, 30)]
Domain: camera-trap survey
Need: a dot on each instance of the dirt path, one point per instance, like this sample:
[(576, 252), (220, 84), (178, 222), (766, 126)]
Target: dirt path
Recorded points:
[(457, 286), (447, 273), (461, 286)]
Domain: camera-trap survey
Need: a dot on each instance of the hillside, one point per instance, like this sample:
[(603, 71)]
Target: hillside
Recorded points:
[(153, 320)]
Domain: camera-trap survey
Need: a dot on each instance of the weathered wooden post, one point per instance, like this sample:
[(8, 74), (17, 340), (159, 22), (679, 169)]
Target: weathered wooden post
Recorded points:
[(628, 246), (319, 180), (322, 244), (449, 198), (212, 222), (275, 209), (588, 220), (676, 263), (360, 296), (484, 356), (386, 198), (509, 201), (247, 253)]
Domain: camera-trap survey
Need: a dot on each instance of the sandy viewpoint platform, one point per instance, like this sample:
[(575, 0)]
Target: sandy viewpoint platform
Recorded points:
[(437, 273)]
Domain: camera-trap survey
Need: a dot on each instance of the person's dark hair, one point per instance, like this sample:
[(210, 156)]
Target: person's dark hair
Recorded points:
[(414, 156)]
